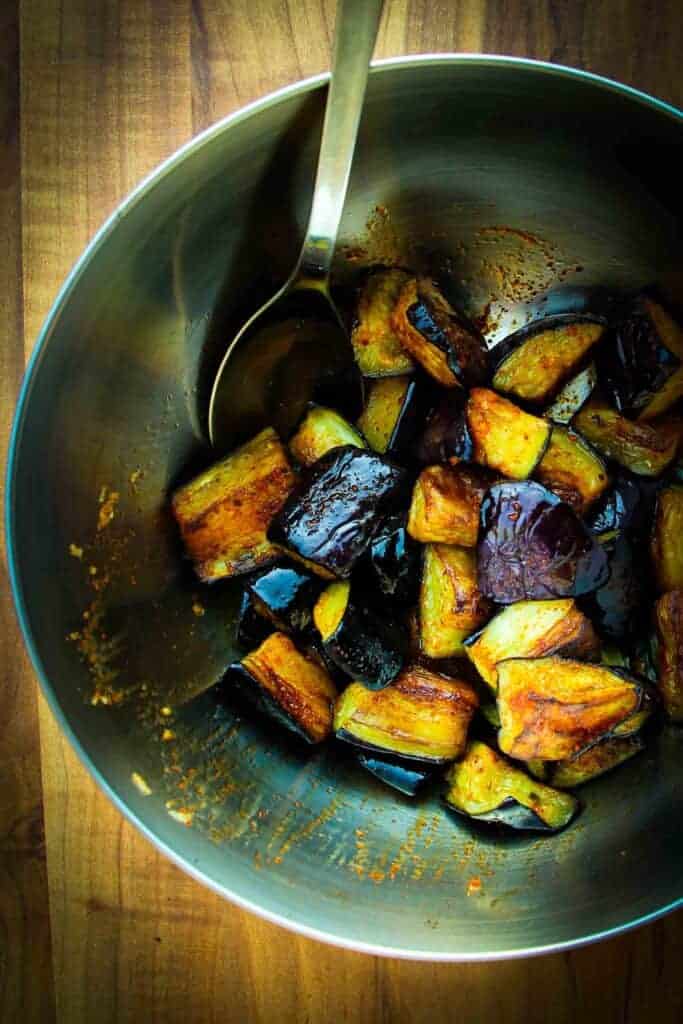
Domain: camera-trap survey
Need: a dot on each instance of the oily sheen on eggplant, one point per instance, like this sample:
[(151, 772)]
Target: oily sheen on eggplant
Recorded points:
[(332, 514), (634, 360), (446, 436), (488, 789), (285, 594), (533, 546), (279, 681), (393, 561)]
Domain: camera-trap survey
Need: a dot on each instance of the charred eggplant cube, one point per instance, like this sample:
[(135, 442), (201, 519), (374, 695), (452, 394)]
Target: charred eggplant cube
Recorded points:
[(447, 345), (486, 787), (445, 505), (572, 470), (321, 430), (446, 437), (332, 515), (451, 604), (533, 546), (376, 344), (645, 449), (532, 629), (618, 510), (573, 396), (224, 513), (290, 688), (505, 438), (364, 645), (534, 362), (422, 716), (394, 409), (553, 708), (638, 361)]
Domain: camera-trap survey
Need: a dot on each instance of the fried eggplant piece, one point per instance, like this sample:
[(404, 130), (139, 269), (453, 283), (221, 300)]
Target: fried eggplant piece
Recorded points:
[(617, 511), (669, 652), (553, 708), (534, 362), (666, 546), (451, 605), (252, 627), (332, 515), (408, 777), (446, 436), (572, 470), (284, 684), (224, 513), (393, 411), (445, 505), (505, 438), (320, 431), (486, 787), (573, 396), (532, 629), (533, 546), (285, 594), (614, 606), (645, 449), (393, 562), (364, 645), (422, 716), (591, 764), (376, 345), (635, 364), (446, 345)]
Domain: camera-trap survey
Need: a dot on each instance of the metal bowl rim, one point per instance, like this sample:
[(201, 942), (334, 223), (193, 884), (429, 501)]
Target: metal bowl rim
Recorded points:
[(51, 320)]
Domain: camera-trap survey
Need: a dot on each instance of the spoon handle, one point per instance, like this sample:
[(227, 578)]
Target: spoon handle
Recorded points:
[(354, 41)]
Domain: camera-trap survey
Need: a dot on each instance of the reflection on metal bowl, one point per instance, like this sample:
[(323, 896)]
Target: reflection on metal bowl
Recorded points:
[(539, 189)]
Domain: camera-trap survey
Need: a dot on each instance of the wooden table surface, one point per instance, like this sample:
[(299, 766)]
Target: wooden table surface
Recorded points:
[(95, 926)]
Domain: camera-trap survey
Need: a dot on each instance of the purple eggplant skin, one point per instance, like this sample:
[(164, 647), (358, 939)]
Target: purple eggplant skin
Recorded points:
[(417, 406), (616, 510), (632, 362), (336, 508), (289, 593), (508, 816), (614, 607), (367, 646), (627, 507), (394, 562), (446, 436), (403, 776), (533, 546), (434, 318), (238, 687), (252, 627)]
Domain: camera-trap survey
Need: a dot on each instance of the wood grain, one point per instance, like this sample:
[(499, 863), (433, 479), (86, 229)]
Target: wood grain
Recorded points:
[(25, 962), (107, 90)]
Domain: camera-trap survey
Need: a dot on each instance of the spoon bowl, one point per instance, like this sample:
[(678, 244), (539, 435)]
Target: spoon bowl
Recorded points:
[(295, 349)]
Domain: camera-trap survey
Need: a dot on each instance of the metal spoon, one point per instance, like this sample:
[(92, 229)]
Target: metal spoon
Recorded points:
[(295, 349)]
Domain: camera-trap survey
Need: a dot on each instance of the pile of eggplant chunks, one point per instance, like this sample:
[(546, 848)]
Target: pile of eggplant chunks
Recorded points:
[(480, 580)]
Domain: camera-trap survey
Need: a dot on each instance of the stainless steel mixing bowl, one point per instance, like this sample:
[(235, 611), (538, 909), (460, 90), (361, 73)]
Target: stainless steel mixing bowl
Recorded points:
[(512, 174)]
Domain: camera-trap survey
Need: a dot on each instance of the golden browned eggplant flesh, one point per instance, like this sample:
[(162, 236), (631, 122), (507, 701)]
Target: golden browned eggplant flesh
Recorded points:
[(480, 581)]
